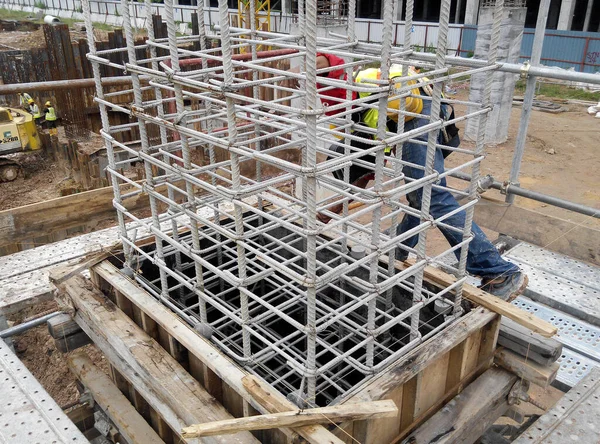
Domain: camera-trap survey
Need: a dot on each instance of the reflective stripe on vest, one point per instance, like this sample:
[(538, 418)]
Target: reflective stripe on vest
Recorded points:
[(50, 114)]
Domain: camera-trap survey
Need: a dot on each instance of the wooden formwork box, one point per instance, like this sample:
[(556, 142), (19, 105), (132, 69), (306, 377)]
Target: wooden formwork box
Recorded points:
[(420, 383)]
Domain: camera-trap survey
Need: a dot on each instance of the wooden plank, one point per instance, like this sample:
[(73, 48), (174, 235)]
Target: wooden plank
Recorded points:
[(490, 302), (452, 392), (62, 325), (227, 371), (79, 209), (382, 430), (274, 402), (295, 418), (417, 360), (127, 420), (431, 386), (563, 236), (468, 415), (527, 343), (526, 368), (72, 342), (163, 383), (463, 359)]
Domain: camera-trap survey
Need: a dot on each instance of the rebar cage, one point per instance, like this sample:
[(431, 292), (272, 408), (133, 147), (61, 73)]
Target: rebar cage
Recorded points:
[(243, 167)]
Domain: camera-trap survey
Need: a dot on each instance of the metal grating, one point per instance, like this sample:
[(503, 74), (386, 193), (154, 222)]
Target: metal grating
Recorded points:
[(27, 413), (581, 341), (573, 368), (551, 284), (574, 419), (584, 274), (572, 332)]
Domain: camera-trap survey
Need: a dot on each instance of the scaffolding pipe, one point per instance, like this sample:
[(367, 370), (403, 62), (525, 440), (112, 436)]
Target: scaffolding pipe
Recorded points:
[(14, 88), (23, 327), (506, 188), (536, 55)]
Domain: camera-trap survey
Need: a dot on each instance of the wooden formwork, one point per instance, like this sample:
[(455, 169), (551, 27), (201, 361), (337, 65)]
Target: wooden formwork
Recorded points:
[(132, 328)]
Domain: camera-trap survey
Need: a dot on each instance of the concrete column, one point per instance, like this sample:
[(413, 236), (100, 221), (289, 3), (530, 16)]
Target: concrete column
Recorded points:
[(565, 19), (398, 7), (471, 12), (457, 11), (285, 6), (503, 85), (588, 15)]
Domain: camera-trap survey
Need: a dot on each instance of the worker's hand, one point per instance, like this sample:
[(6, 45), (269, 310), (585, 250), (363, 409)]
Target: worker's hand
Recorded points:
[(292, 82)]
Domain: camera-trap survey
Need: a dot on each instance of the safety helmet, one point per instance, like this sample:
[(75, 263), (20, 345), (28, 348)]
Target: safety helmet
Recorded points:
[(48, 103), (30, 101)]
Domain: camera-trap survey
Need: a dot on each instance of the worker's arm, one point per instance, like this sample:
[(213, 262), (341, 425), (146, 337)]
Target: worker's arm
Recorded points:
[(322, 62)]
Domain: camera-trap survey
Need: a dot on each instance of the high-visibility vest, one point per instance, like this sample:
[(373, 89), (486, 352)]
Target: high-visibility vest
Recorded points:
[(24, 100), (413, 104), (50, 114), (35, 110)]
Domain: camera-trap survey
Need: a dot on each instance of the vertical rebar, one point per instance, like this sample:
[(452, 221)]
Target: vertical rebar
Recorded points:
[(432, 140), (480, 146), (138, 103), (312, 105), (89, 30), (186, 156), (407, 44), (235, 170), (386, 50)]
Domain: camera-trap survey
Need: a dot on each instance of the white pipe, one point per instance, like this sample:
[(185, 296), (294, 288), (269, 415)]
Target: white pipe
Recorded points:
[(51, 20)]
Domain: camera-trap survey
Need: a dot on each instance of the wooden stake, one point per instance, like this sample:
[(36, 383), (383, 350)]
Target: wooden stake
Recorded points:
[(295, 418)]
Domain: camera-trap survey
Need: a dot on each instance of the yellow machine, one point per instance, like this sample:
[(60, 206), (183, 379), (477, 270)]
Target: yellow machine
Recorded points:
[(18, 134)]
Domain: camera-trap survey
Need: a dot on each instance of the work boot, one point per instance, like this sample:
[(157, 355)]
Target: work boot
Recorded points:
[(506, 287)]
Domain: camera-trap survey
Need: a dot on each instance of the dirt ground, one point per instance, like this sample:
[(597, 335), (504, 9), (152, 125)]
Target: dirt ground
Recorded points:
[(41, 357)]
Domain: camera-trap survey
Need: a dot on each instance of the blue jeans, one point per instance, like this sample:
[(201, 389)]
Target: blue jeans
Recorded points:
[(483, 259)]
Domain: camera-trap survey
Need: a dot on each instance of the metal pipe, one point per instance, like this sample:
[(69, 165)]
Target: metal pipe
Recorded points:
[(18, 329), (14, 88), (487, 182), (536, 54)]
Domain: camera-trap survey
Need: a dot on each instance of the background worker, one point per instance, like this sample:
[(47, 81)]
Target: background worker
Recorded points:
[(50, 117), (34, 109), (24, 99), (499, 277)]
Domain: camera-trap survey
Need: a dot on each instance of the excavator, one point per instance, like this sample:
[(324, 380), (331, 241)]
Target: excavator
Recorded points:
[(18, 134)]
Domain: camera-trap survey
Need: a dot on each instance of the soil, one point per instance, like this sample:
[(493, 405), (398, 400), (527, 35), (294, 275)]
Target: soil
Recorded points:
[(39, 180), (36, 349), (561, 159)]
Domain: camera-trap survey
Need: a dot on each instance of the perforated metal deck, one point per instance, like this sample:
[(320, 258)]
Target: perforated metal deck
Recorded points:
[(575, 418), (581, 341), (27, 413), (558, 281)]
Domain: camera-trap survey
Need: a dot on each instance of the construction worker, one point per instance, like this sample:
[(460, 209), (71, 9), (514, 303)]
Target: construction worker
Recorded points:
[(50, 118), (24, 99), (499, 277), (35, 112)]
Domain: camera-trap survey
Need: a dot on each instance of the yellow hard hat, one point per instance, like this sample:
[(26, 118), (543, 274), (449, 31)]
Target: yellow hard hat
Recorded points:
[(48, 103), (30, 101)]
